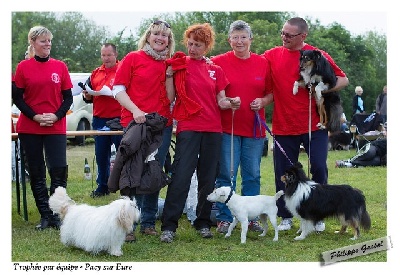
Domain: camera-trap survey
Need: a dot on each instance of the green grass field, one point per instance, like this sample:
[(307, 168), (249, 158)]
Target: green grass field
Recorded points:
[(29, 245)]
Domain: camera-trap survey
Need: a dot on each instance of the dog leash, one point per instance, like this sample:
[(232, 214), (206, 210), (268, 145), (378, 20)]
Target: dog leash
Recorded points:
[(233, 113), (309, 126), (258, 122)]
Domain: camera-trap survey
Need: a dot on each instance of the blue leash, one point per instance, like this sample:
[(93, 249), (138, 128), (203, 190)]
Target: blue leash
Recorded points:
[(259, 123)]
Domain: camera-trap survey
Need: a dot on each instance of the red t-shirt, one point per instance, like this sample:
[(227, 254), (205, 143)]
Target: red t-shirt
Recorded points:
[(203, 83), (104, 106), (291, 112), (144, 79), (43, 83), (248, 79)]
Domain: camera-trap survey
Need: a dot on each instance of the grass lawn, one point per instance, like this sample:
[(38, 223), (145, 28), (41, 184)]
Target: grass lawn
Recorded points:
[(29, 245)]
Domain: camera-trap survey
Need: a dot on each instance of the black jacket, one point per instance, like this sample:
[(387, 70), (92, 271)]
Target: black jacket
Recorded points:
[(138, 142)]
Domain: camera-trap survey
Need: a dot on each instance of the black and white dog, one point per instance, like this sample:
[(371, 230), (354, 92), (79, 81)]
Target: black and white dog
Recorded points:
[(313, 202), (316, 71)]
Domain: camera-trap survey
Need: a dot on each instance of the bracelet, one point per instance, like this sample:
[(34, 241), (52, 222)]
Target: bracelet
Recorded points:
[(169, 75)]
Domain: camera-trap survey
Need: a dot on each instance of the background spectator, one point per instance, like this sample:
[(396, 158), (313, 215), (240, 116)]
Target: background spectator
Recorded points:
[(381, 105), (358, 103)]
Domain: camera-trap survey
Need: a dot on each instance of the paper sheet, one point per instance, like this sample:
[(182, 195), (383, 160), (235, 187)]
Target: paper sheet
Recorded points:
[(104, 91)]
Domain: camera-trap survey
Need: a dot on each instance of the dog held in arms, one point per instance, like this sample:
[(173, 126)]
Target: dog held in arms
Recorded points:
[(315, 71), (94, 228), (312, 202), (245, 208)]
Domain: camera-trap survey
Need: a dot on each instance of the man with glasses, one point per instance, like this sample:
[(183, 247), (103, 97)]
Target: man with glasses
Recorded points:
[(294, 121)]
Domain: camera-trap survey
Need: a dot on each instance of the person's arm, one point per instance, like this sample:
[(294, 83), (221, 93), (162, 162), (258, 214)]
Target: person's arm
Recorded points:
[(377, 105), (65, 105), (123, 98), (341, 82), (18, 99), (169, 84), (87, 98), (261, 102), (227, 102)]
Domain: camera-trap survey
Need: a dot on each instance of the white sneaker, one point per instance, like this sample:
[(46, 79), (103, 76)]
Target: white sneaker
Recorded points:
[(320, 226), (286, 224)]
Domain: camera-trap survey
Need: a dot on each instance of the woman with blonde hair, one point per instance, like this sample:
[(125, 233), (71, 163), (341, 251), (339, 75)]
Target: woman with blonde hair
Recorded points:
[(200, 94), (43, 94), (140, 87)]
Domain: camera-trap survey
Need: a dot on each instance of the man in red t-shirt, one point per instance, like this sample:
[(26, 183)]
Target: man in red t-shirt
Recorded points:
[(105, 108), (290, 119)]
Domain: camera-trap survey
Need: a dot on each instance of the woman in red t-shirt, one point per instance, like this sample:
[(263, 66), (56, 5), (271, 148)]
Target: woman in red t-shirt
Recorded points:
[(248, 74), (140, 87), (200, 94), (43, 94)]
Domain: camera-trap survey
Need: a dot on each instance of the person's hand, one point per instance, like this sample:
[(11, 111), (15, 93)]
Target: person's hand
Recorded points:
[(45, 119), (86, 95), (256, 104), (139, 116), (235, 103)]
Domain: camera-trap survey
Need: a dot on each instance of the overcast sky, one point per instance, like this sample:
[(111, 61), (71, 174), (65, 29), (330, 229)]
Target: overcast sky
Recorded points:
[(357, 22), (355, 16)]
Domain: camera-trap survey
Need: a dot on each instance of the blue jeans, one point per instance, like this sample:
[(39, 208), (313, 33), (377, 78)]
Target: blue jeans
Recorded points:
[(102, 148), (318, 155), (148, 203), (247, 153)]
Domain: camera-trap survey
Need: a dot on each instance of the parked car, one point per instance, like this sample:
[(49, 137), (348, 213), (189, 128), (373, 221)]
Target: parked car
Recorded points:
[(80, 114)]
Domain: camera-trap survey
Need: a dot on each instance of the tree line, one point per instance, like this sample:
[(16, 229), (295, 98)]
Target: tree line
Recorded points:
[(77, 42)]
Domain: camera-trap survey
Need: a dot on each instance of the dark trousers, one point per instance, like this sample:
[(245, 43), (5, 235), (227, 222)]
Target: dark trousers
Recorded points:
[(54, 147), (102, 147), (318, 155), (194, 150)]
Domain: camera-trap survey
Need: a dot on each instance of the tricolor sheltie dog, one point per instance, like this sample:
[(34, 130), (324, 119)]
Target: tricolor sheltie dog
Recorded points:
[(316, 71), (312, 202)]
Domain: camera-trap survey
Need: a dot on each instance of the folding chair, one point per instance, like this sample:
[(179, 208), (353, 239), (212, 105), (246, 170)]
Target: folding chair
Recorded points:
[(366, 128)]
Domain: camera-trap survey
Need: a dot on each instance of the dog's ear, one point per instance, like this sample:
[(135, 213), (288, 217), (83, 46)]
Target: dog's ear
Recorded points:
[(317, 54), (298, 165), (126, 215)]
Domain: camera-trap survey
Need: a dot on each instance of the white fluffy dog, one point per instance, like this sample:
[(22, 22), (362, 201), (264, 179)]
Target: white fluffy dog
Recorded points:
[(94, 228), (245, 208)]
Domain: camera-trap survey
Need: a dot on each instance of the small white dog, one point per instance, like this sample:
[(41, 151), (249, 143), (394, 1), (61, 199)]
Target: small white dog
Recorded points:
[(245, 208), (94, 228)]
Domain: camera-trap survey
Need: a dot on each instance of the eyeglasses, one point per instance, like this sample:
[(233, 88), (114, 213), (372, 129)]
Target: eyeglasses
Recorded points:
[(159, 22), (290, 36), (237, 38)]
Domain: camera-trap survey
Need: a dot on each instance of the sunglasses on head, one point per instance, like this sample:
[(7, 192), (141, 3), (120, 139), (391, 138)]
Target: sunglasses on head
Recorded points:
[(159, 22)]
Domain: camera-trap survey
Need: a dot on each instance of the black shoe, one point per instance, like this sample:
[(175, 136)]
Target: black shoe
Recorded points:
[(44, 223), (96, 194), (55, 221)]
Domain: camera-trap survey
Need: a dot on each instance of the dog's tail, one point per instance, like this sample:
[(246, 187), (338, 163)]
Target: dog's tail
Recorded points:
[(365, 219), (279, 194), (60, 201)]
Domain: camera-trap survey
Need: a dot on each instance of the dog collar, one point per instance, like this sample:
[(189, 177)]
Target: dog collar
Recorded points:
[(229, 196)]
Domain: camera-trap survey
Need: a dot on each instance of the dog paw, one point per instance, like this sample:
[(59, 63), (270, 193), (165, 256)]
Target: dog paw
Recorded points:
[(321, 126), (299, 238), (227, 235), (295, 87), (116, 253), (275, 239)]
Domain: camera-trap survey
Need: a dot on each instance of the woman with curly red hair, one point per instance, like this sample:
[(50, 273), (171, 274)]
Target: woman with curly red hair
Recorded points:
[(200, 94)]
